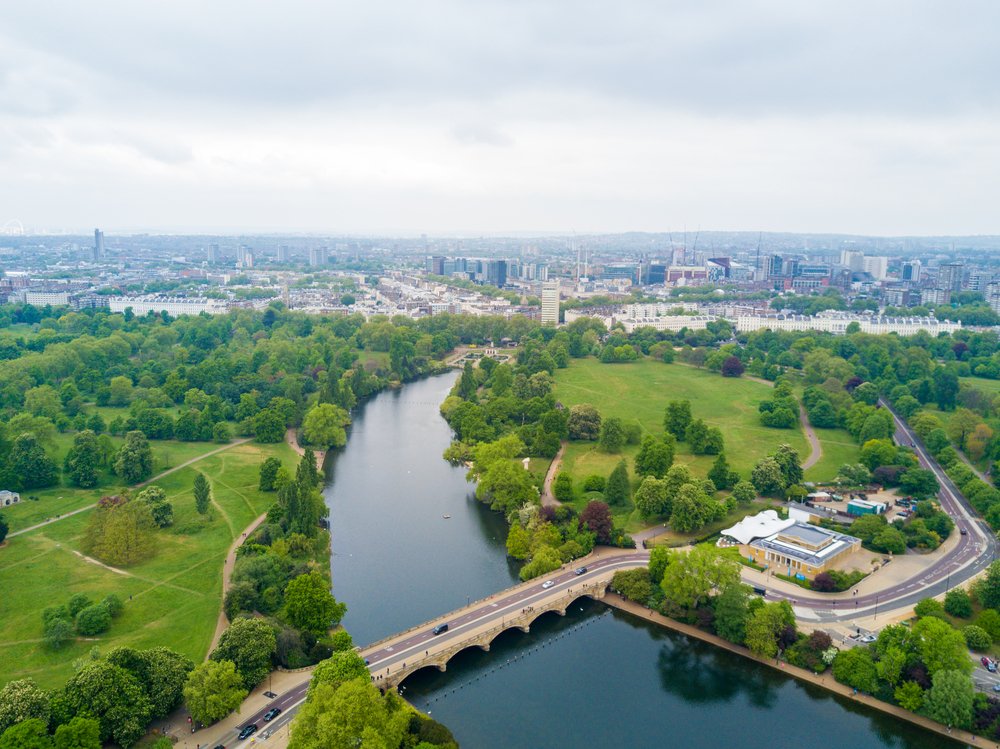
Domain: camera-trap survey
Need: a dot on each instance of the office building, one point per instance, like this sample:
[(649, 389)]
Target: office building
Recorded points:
[(550, 303), (213, 253), (853, 260), (98, 245), (877, 267), (935, 296), (317, 256), (950, 276), (283, 253), (911, 271), (435, 265), (496, 273)]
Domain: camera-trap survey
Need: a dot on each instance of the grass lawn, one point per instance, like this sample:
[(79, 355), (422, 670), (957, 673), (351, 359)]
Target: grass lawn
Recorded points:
[(59, 500), (838, 448), (639, 391), (981, 383), (171, 599)]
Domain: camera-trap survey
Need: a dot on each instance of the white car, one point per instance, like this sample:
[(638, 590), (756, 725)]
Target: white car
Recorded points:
[(548, 584)]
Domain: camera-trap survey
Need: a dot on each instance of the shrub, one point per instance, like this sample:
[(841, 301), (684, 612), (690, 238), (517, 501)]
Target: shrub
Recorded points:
[(594, 483), (928, 607), (113, 604), (957, 603), (977, 638)]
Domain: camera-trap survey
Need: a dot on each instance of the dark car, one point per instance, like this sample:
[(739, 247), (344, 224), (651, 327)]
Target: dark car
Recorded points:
[(963, 531), (271, 714), (580, 570), (248, 731), (440, 628)]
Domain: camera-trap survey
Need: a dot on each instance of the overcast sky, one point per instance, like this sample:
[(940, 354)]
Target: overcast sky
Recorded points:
[(495, 116)]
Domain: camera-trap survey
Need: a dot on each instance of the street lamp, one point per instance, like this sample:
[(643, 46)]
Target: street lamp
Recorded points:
[(876, 608)]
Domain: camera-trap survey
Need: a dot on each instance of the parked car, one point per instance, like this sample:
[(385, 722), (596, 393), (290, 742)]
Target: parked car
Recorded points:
[(580, 570), (990, 665), (248, 731), (548, 584), (271, 714), (867, 638)]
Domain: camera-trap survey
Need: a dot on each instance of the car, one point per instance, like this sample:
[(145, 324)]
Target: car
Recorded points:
[(963, 531), (867, 638), (271, 714), (580, 570), (996, 687), (219, 746), (439, 629), (990, 665), (248, 731), (548, 584)]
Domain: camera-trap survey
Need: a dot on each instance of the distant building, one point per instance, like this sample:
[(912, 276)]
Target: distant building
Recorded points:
[(98, 245), (550, 303), (950, 276), (877, 267), (173, 306), (40, 297), (496, 273), (993, 296), (8, 498), (853, 260), (935, 296), (283, 254), (911, 271), (838, 322), (435, 265), (213, 253), (317, 256)]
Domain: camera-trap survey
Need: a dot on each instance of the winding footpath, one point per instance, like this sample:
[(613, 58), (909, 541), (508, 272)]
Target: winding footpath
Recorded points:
[(157, 477)]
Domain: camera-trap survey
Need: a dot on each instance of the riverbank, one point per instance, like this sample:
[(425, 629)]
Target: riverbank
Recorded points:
[(826, 681)]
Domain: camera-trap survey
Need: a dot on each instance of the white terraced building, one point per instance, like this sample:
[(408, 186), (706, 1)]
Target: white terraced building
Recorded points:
[(838, 324), (172, 305)]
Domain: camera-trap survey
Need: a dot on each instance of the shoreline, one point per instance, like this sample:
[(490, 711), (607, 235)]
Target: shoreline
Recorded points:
[(824, 680)]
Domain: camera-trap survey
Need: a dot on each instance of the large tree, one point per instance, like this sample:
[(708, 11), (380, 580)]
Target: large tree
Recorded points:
[(79, 733), (767, 477), (110, 694), (202, 493), (29, 465), (250, 644), (618, 489), (351, 715), (310, 605), (951, 698), (324, 426), (22, 699), (134, 462), (584, 422), (119, 531), (83, 459), (690, 579), (655, 456), (338, 668), (596, 518), (213, 690), (766, 626), (677, 418), (613, 435), (651, 497)]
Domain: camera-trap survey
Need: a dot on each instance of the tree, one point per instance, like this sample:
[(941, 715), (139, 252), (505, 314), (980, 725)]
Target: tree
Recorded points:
[(584, 422), (767, 477), (977, 638), (161, 673), (269, 426), (221, 433), (910, 696), (949, 700), (58, 633), (988, 589), (354, 714), (161, 510), (941, 648), (268, 473), (310, 605), (853, 474), (690, 578), (787, 458), (507, 486), (919, 482), (20, 700), (875, 453), (655, 456), (82, 460), (562, 487), (112, 696), (306, 473), (202, 493), (618, 490), (119, 532), (945, 389), (890, 665), (889, 540), (121, 391), (732, 367), (732, 609), (744, 492), (338, 668), (324, 426), (134, 462), (28, 734), (867, 393), (651, 497), (29, 465), (250, 645), (596, 518), (633, 584), (856, 668), (677, 418), (93, 620), (79, 733), (689, 510), (957, 603), (612, 438), (721, 474), (213, 690), (766, 625)]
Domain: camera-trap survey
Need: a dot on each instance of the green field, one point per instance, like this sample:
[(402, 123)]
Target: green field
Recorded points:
[(981, 383), (839, 447), (640, 391), (171, 599), (40, 504)]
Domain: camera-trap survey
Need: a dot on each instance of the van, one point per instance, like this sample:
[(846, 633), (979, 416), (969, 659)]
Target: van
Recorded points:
[(439, 629)]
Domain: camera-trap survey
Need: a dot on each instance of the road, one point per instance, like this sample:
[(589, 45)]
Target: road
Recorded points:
[(973, 553)]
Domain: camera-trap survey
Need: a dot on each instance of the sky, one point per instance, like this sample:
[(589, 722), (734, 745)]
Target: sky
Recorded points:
[(498, 116)]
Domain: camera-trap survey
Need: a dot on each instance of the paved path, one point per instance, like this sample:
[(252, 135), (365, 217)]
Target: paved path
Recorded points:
[(292, 438), (157, 477), (815, 448), (548, 498), (227, 573)]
